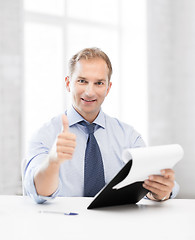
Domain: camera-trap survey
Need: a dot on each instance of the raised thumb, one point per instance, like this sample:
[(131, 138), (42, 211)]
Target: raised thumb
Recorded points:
[(65, 123)]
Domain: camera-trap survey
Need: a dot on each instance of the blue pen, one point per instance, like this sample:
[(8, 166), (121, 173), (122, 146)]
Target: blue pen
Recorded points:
[(63, 213)]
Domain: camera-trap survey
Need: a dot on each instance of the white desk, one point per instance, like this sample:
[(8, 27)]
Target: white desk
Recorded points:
[(20, 219)]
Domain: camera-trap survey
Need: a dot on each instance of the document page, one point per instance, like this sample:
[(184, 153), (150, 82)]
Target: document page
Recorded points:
[(149, 161)]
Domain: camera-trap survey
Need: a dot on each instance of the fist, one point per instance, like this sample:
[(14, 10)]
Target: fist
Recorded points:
[(66, 142)]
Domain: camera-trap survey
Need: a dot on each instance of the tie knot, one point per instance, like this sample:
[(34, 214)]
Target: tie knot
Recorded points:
[(90, 127)]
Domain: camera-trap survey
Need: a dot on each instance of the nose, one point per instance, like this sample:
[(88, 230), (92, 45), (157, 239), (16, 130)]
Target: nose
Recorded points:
[(89, 91)]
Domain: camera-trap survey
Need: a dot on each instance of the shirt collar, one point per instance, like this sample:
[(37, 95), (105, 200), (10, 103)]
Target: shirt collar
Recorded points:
[(74, 117), (100, 119)]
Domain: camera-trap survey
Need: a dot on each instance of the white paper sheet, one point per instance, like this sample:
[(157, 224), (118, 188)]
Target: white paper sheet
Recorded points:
[(148, 161)]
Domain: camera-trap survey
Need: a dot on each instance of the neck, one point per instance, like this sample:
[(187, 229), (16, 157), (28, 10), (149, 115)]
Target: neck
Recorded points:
[(88, 117)]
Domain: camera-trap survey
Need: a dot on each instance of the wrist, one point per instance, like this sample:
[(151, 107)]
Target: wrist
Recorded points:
[(53, 163), (151, 196)]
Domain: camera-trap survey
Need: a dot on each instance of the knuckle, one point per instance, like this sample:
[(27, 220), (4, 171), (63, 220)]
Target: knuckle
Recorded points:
[(61, 135)]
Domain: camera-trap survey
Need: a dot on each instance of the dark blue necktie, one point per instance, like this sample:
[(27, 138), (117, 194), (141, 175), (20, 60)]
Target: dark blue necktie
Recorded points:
[(94, 179)]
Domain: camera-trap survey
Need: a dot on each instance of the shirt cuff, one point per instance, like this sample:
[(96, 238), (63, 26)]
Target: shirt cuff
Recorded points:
[(175, 190)]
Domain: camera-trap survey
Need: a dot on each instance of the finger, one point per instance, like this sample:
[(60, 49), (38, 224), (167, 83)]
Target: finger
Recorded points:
[(65, 123), (67, 143), (168, 173), (67, 136), (160, 193), (68, 150), (64, 156), (157, 191), (159, 179), (160, 182), (166, 186)]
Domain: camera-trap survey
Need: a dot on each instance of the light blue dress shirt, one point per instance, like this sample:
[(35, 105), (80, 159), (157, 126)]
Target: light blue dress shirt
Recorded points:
[(112, 135)]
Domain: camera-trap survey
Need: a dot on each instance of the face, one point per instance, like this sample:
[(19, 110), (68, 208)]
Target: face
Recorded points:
[(89, 86)]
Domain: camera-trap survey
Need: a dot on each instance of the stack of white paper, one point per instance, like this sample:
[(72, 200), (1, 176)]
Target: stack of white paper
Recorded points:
[(149, 160)]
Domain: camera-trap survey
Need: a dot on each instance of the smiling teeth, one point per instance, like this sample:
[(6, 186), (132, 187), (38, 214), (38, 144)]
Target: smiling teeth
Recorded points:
[(88, 100)]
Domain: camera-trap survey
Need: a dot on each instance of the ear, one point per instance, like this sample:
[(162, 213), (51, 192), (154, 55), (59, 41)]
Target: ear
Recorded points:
[(109, 87), (67, 82)]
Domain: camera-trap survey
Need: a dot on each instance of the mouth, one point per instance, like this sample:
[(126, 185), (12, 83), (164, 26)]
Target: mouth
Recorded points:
[(88, 100)]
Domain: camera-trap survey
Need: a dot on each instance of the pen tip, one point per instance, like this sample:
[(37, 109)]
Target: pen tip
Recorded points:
[(73, 213)]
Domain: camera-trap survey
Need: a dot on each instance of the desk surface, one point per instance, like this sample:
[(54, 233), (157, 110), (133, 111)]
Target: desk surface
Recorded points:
[(20, 218)]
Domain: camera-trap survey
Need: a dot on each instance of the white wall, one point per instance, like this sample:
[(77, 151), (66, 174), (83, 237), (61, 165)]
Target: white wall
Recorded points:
[(171, 78), (11, 78)]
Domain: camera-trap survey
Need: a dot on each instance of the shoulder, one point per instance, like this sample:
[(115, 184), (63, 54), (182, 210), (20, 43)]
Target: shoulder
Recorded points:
[(116, 123), (48, 131), (124, 131), (54, 124), (43, 139)]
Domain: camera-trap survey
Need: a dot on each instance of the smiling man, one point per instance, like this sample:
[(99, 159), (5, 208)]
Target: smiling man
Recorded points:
[(78, 152), (89, 86)]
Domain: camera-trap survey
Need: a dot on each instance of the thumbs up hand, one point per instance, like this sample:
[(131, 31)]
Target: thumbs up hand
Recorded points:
[(66, 142)]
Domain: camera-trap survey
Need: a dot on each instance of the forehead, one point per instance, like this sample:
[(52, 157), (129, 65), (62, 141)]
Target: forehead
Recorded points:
[(96, 66)]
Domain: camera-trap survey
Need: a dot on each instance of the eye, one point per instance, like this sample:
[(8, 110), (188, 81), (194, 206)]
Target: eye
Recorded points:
[(81, 81), (99, 83)]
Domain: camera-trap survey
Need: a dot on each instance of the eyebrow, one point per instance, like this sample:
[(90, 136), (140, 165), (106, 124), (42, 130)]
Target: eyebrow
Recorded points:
[(81, 77), (99, 80)]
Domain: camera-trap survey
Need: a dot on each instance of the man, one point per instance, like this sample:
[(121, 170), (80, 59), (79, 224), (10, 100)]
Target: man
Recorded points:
[(56, 162)]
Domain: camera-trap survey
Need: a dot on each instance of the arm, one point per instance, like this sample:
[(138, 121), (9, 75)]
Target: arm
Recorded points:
[(160, 186), (46, 178)]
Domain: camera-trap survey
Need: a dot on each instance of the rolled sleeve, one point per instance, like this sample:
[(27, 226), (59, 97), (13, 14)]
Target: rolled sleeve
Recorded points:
[(28, 181), (31, 191)]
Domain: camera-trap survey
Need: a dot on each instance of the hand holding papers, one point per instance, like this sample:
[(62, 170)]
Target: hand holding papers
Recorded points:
[(126, 187), (148, 161)]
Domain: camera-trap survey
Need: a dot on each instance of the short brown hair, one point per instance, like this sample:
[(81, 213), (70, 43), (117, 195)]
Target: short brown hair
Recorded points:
[(87, 54)]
